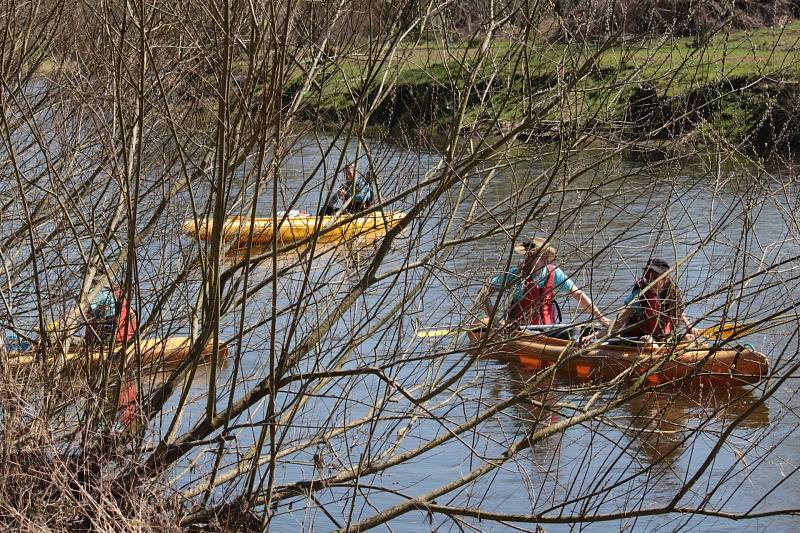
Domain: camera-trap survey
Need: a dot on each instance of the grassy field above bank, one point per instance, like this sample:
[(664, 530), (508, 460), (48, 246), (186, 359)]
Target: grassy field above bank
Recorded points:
[(738, 87)]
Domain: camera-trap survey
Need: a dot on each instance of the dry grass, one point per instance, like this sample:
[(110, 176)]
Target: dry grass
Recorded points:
[(60, 463)]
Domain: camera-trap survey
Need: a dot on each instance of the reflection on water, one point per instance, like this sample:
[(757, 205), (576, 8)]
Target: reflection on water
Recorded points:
[(660, 422), (644, 448)]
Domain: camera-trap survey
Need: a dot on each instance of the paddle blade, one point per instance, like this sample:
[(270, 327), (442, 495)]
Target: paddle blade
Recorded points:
[(728, 331), (426, 333)]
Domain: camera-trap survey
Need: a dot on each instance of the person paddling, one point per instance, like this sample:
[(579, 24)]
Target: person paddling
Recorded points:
[(109, 314), (533, 286), (654, 308), (355, 195)]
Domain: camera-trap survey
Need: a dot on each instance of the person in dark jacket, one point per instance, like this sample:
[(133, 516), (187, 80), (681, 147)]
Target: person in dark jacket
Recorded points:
[(654, 309), (354, 196)]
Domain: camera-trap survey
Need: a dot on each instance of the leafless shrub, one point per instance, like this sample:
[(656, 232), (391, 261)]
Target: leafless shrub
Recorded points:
[(329, 411)]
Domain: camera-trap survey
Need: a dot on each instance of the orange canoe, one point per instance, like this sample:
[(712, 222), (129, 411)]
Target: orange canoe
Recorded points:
[(688, 363), (295, 228)]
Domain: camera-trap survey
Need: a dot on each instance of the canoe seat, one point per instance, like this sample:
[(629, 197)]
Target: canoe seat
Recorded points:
[(567, 332), (624, 341)]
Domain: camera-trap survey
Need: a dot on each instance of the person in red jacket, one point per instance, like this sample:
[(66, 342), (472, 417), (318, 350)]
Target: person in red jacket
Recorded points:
[(533, 286), (654, 309)]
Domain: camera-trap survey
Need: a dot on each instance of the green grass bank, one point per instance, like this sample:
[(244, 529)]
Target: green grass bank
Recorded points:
[(739, 89)]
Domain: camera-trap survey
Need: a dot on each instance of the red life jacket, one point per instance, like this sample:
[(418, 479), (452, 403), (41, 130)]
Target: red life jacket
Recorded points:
[(537, 305), (650, 319), (126, 403), (126, 323)]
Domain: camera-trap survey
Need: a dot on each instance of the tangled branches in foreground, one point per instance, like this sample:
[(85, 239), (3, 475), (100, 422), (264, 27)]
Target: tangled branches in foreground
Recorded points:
[(303, 388)]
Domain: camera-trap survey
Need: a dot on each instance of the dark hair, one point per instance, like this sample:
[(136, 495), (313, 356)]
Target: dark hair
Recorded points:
[(659, 266), (670, 295)]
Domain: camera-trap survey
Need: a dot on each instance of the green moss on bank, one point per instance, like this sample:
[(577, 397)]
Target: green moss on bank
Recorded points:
[(739, 88)]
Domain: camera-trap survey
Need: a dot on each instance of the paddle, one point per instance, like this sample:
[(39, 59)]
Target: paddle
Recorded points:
[(728, 331), (426, 333), (341, 210)]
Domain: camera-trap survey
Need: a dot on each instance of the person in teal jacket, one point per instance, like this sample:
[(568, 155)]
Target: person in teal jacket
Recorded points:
[(354, 196), (534, 285), (110, 316)]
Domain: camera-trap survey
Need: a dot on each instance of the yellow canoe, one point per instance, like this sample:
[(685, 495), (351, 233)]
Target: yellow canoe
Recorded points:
[(154, 353), (295, 228)]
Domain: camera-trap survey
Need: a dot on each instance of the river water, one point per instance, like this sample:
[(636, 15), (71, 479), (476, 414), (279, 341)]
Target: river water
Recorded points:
[(719, 222)]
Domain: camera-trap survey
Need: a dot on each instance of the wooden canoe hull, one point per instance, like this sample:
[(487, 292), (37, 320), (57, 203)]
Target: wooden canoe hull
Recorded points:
[(683, 364), (153, 354), (291, 229)]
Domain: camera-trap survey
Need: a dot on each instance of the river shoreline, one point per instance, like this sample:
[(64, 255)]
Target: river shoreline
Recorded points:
[(739, 90)]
